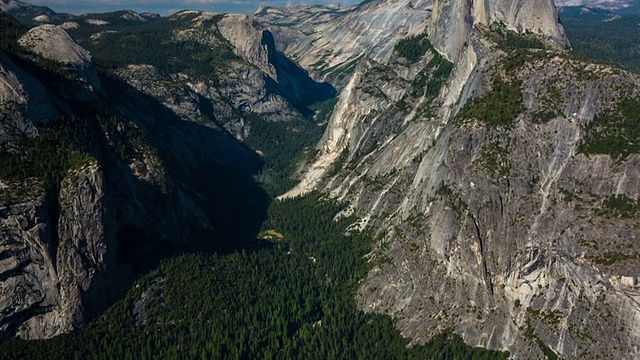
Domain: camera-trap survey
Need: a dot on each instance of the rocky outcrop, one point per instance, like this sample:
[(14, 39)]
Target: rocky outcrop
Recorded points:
[(246, 37), (50, 262), (174, 92), (60, 264), (53, 43), (283, 79)]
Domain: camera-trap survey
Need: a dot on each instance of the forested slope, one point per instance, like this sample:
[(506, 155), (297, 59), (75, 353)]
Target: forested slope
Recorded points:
[(291, 298), (603, 36)]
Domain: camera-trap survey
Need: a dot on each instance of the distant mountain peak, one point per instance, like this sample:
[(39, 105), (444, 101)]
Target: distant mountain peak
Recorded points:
[(604, 4), (30, 14)]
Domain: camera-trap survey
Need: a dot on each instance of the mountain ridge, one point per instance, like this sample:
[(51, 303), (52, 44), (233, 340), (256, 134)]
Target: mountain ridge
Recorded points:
[(602, 4), (30, 14), (513, 225)]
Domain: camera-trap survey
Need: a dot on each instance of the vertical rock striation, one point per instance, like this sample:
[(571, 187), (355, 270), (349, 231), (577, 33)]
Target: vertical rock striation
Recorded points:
[(453, 21), (64, 264)]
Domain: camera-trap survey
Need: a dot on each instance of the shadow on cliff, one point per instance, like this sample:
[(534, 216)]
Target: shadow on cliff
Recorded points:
[(204, 163), (209, 203), (293, 83), (207, 168)]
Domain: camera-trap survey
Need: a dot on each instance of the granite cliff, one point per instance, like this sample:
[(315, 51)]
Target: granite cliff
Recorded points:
[(492, 183)]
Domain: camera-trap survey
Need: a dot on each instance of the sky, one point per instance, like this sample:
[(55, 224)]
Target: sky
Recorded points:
[(167, 7)]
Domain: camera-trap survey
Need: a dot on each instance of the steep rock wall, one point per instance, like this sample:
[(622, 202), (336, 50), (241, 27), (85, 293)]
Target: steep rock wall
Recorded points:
[(479, 224), (55, 266)]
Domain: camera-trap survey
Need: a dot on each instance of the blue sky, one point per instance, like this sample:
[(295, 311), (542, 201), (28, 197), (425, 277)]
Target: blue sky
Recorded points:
[(166, 7)]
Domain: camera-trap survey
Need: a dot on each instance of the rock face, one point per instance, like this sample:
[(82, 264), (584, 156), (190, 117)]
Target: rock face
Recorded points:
[(284, 78), (453, 21), (50, 270), (85, 253), (329, 42), (28, 279), (24, 102), (501, 227)]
